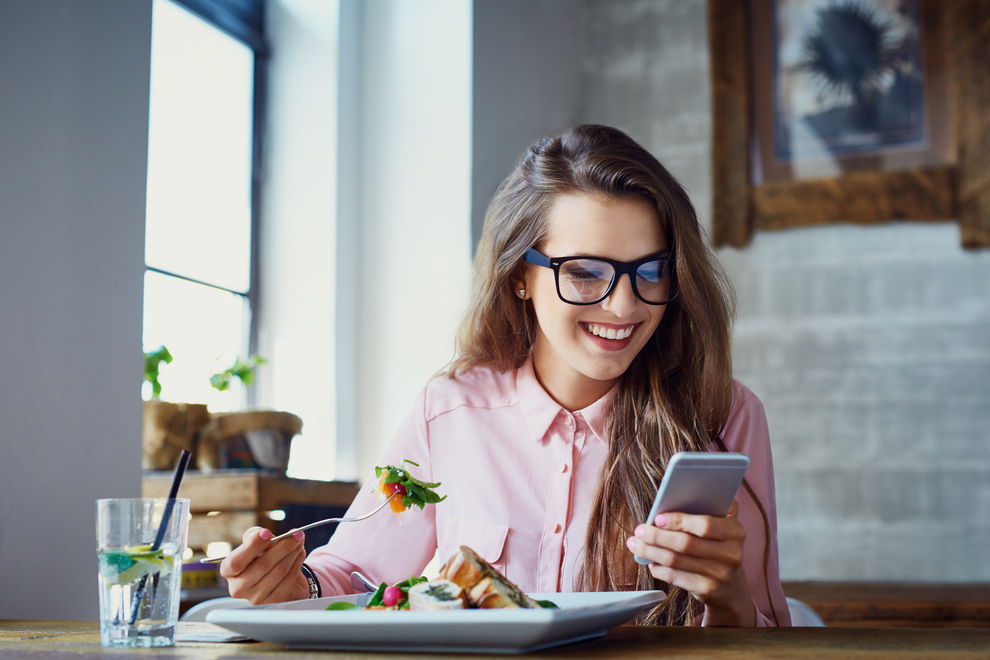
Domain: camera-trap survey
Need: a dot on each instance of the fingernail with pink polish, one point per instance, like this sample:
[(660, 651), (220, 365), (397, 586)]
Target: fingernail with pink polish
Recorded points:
[(299, 536), (631, 544), (661, 520), (640, 531), (265, 535)]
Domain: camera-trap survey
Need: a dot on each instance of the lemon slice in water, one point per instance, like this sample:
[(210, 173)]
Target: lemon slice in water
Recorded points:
[(123, 565)]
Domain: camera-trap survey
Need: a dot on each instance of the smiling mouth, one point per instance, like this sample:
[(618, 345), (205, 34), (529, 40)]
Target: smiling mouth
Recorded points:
[(606, 332)]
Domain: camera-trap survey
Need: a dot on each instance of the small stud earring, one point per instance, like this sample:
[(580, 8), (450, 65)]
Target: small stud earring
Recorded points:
[(522, 293)]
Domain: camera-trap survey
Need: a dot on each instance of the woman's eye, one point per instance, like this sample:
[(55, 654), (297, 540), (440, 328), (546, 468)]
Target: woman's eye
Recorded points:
[(585, 272), (583, 275), (651, 271)]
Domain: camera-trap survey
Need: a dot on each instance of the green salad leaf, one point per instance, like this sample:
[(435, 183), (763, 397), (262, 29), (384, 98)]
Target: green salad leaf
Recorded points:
[(376, 598), (342, 605)]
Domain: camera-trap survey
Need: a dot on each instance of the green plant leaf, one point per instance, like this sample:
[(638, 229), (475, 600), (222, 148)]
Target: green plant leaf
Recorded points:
[(152, 362), (243, 370), (220, 381)]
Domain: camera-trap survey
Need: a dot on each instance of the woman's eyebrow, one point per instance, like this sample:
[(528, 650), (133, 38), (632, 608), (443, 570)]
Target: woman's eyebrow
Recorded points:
[(659, 254)]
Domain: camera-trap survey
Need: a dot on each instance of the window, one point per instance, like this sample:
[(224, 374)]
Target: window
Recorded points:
[(198, 290), (205, 264)]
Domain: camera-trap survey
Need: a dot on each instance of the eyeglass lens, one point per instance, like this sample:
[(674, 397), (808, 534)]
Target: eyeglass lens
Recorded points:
[(585, 280)]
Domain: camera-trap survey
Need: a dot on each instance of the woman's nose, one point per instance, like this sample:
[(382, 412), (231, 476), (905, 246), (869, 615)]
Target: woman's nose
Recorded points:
[(622, 301)]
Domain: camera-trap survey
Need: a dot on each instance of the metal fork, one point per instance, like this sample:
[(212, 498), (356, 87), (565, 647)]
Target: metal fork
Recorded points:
[(318, 523)]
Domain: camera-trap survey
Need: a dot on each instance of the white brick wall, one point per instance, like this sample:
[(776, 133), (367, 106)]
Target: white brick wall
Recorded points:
[(870, 347)]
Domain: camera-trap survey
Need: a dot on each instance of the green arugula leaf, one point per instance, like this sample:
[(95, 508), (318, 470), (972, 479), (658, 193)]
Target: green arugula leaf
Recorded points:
[(376, 598), (342, 605)]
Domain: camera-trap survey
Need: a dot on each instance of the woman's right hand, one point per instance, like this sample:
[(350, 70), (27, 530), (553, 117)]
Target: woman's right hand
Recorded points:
[(264, 572)]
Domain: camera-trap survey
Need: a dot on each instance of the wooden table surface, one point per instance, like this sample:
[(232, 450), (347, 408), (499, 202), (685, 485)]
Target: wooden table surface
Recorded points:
[(81, 639)]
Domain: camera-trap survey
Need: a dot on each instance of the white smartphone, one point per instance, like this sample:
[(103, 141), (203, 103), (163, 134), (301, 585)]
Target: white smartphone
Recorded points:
[(702, 483)]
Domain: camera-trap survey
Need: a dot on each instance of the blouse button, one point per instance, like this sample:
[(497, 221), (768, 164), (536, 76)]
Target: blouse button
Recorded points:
[(569, 421), (562, 467), (557, 528)]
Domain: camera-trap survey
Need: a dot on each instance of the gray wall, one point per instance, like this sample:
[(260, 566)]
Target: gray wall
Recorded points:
[(527, 83), (412, 184), (870, 346), (73, 151)]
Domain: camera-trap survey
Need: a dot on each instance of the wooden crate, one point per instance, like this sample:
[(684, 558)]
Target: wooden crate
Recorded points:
[(224, 503)]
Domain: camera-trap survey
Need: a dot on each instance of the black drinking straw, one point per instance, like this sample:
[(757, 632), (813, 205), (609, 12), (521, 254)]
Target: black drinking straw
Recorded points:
[(180, 471)]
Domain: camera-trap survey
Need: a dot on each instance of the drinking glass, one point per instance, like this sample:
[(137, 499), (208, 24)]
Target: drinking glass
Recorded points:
[(140, 569)]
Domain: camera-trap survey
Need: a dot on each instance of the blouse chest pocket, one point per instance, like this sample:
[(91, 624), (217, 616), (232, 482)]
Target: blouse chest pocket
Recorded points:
[(485, 537)]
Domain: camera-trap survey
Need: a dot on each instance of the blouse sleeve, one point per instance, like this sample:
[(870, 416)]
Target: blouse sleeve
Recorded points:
[(386, 547), (747, 431)]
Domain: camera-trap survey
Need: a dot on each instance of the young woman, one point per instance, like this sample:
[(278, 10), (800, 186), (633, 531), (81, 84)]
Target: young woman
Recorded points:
[(596, 345)]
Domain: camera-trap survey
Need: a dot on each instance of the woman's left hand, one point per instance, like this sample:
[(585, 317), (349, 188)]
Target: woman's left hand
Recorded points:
[(702, 555)]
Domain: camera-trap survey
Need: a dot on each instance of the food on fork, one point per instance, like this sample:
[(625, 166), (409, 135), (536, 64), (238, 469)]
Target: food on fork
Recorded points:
[(412, 491)]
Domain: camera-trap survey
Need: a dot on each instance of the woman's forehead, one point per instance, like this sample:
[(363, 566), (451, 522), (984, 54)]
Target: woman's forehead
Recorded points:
[(623, 228)]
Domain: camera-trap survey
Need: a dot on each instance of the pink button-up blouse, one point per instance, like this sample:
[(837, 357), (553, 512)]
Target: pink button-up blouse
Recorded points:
[(520, 473)]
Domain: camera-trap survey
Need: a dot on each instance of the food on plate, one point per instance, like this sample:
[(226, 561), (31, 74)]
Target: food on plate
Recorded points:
[(412, 491), (485, 586), (466, 581), (394, 597), (437, 595)]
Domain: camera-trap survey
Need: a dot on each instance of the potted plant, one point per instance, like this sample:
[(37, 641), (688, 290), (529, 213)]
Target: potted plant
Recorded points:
[(250, 439), (167, 427)]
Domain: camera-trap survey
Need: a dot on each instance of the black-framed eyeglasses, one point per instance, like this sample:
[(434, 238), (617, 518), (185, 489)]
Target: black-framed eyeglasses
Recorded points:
[(590, 280)]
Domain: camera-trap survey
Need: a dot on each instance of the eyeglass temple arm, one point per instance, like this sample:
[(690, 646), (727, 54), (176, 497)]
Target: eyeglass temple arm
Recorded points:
[(537, 258)]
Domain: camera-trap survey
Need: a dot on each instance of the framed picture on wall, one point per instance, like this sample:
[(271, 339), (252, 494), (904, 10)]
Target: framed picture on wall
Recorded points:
[(859, 111), (845, 86)]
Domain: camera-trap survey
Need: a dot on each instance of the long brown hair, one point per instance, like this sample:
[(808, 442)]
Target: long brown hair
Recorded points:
[(675, 396)]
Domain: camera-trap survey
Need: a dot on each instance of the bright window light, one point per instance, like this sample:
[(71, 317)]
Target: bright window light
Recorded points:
[(199, 150)]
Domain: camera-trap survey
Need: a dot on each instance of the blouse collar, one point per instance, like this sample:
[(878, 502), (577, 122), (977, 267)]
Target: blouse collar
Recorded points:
[(541, 411)]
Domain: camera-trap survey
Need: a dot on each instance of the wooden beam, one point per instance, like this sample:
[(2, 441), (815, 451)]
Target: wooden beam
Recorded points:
[(968, 27), (729, 45), (896, 604)]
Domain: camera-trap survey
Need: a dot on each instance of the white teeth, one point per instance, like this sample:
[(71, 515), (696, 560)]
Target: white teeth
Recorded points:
[(609, 333)]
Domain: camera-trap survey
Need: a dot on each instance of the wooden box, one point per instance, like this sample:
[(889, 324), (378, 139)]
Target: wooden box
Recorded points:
[(225, 503)]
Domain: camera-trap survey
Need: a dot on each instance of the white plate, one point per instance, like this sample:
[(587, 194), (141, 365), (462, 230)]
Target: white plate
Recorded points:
[(307, 624)]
